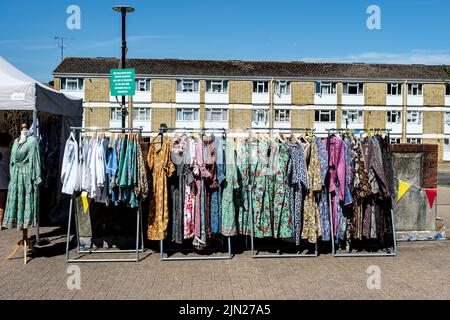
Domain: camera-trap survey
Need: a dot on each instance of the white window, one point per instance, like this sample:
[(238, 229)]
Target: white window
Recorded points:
[(414, 117), (354, 88), (72, 84), (395, 140), (325, 116), (142, 114), (415, 89), (260, 86), (414, 140), (447, 145), (187, 114), (283, 115), (394, 89), (447, 118), (115, 114), (216, 115), (326, 87), (187, 86), (353, 116), (394, 117), (142, 84), (283, 87), (261, 116), (217, 86)]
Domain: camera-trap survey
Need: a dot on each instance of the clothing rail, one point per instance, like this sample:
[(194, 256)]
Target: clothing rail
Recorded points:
[(255, 252), (361, 254), (365, 130), (139, 227), (229, 255)]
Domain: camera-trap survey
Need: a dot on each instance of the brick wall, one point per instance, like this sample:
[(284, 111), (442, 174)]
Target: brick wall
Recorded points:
[(163, 115), (430, 162), (375, 119), (240, 92), (57, 83), (163, 91), (302, 118), (96, 90), (375, 94), (433, 94), (240, 119), (433, 122), (96, 117), (302, 93)]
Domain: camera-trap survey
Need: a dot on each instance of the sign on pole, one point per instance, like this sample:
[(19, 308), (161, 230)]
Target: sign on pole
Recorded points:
[(122, 82)]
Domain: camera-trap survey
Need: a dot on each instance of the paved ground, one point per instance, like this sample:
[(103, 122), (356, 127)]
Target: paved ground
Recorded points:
[(420, 271)]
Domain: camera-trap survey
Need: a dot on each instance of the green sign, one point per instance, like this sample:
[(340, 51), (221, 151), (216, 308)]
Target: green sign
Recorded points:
[(122, 82)]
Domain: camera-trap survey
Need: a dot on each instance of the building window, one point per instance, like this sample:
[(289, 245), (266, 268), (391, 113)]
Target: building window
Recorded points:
[(141, 114), (414, 117), (217, 86), (283, 115), (394, 89), (447, 145), (72, 84), (261, 116), (353, 116), (394, 117), (447, 89), (260, 86), (325, 116), (447, 118), (142, 84), (115, 114), (283, 88), (414, 140), (187, 114), (354, 88), (415, 89), (395, 140), (326, 87), (216, 115), (187, 86)]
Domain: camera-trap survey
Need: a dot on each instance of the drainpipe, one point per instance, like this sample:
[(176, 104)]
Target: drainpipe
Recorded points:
[(271, 104), (404, 111)]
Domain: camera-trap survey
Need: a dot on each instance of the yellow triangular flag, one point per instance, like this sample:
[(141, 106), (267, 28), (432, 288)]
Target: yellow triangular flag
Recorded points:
[(85, 200), (402, 188)]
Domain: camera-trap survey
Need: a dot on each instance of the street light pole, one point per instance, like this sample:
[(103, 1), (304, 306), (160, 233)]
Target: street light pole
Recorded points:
[(123, 10)]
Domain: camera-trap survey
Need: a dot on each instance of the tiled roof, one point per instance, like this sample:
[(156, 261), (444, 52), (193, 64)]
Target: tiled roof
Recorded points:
[(255, 69)]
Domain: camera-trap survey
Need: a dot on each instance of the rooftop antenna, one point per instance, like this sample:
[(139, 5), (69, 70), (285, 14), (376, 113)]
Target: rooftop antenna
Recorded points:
[(61, 44)]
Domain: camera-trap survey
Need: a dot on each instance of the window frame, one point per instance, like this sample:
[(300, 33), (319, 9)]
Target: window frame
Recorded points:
[(389, 115), (360, 116), (264, 84), (446, 144), (418, 86), (447, 89), (414, 140), (146, 81), (359, 87), (223, 86), (287, 87), (286, 113), (117, 111), (137, 113), (181, 85), (396, 140), (397, 86), (223, 111), (319, 113), (320, 85), (409, 117), (255, 114), (79, 84), (195, 112), (447, 118)]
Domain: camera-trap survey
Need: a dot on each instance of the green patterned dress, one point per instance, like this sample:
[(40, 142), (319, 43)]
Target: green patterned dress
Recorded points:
[(22, 206)]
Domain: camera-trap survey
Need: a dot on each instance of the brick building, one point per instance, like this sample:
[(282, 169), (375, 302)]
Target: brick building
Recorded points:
[(412, 100)]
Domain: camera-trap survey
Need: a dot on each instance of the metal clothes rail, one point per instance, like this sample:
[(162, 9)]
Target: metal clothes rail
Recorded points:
[(229, 255), (360, 254), (139, 227), (255, 255)]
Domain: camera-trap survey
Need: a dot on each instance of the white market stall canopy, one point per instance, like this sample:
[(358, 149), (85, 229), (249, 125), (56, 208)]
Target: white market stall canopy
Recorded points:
[(18, 91)]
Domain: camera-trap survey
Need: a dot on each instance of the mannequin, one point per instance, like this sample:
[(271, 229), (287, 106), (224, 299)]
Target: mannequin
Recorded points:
[(23, 139)]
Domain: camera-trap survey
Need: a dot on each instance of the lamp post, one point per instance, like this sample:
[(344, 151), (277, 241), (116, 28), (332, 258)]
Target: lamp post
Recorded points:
[(123, 10)]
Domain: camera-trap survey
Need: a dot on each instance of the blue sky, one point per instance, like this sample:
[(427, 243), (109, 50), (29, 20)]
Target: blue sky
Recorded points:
[(412, 31)]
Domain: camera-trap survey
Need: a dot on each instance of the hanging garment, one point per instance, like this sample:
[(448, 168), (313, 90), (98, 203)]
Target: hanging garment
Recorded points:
[(323, 197), (161, 167), (298, 183), (141, 189), (22, 205), (211, 186), (189, 190), (311, 217), (230, 191), (282, 218), (245, 181), (69, 168), (216, 194)]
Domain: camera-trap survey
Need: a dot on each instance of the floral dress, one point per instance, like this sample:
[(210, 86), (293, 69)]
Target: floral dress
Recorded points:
[(243, 177), (161, 167), (231, 187), (22, 205)]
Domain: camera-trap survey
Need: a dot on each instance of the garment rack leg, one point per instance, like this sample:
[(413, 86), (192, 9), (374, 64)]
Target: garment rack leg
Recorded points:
[(68, 229)]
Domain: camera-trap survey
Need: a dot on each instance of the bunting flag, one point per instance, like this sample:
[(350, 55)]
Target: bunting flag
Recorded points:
[(431, 195), (403, 187), (85, 200)]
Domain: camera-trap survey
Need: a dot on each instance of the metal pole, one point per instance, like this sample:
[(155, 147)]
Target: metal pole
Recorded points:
[(123, 61), (68, 229)]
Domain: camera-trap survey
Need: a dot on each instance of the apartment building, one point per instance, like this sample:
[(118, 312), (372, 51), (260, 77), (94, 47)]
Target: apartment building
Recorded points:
[(411, 100)]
